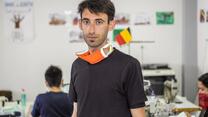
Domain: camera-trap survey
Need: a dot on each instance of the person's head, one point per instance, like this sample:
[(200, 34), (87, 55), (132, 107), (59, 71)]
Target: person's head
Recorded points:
[(203, 84), (97, 18), (53, 76)]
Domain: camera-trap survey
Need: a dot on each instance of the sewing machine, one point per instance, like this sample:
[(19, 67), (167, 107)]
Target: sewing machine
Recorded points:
[(157, 74)]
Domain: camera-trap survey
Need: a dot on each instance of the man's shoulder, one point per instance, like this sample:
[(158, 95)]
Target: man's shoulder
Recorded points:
[(78, 61), (125, 57)]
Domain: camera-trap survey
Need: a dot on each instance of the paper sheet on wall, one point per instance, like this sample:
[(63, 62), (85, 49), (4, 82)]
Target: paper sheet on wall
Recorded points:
[(18, 20)]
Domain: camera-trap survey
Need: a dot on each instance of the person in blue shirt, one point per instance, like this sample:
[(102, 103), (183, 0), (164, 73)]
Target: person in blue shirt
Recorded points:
[(54, 103)]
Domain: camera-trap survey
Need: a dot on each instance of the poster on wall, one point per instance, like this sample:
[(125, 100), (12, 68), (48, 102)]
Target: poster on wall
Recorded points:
[(165, 17), (18, 20), (122, 19), (76, 35), (142, 18), (202, 16), (74, 18), (56, 19), (74, 32)]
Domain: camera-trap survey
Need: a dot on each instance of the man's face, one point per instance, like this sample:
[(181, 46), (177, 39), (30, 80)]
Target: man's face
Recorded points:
[(202, 88), (95, 28)]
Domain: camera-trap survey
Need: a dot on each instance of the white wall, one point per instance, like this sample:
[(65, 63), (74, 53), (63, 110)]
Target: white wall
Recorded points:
[(1, 43), (23, 65), (202, 39)]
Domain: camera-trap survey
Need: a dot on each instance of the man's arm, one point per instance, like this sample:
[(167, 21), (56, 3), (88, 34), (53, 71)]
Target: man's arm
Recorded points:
[(138, 112), (74, 114)]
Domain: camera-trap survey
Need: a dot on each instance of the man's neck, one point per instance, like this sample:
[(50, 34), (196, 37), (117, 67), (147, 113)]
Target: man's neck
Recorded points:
[(92, 49)]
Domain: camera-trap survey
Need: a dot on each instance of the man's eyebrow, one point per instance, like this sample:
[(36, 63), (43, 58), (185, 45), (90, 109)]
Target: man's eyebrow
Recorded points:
[(99, 19), (84, 19)]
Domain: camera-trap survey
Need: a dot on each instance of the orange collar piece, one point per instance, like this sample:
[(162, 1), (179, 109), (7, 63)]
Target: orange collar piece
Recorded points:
[(95, 56)]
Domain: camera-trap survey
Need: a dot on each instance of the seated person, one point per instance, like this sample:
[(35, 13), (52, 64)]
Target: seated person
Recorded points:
[(54, 103), (203, 94)]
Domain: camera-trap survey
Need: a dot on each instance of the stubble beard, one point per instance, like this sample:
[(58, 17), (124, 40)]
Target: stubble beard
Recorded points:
[(96, 43)]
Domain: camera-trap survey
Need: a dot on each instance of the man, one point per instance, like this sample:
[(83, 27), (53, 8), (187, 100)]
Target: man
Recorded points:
[(104, 81)]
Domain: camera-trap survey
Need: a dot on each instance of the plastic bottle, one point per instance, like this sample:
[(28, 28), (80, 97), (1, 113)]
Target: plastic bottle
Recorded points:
[(152, 102), (23, 99), (1, 110)]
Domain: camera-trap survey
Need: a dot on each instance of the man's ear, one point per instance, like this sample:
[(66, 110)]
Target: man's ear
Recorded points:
[(112, 24), (80, 24)]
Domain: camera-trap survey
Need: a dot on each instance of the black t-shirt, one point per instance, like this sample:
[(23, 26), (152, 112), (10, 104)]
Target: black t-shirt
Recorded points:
[(109, 88), (52, 104)]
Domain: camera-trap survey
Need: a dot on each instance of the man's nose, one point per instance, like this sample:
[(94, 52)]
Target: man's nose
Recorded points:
[(92, 28)]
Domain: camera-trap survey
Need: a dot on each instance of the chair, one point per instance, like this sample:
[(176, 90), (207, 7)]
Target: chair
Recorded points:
[(7, 94)]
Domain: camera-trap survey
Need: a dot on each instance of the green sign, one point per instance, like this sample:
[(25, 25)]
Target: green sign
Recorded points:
[(165, 17)]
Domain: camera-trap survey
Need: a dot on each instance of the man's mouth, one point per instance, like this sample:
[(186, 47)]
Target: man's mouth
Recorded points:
[(91, 38)]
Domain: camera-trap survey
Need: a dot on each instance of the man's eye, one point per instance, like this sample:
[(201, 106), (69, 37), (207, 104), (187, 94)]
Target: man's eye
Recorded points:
[(99, 22), (86, 22)]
